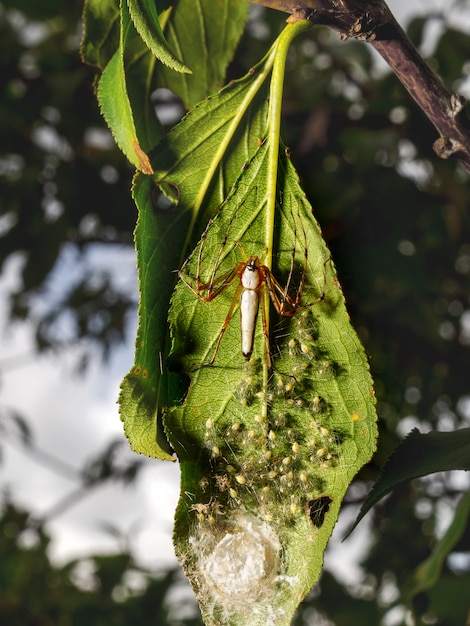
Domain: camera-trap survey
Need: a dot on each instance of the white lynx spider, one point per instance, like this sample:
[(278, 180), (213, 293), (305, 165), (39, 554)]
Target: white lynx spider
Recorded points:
[(252, 279)]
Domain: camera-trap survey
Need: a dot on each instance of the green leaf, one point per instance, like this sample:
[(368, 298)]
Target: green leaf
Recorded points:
[(118, 82), (452, 51), (322, 422), (420, 455), (259, 448), (448, 599), (100, 31), (319, 403), (145, 17), (190, 166), (204, 154), (204, 35), (429, 572), (139, 66), (158, 233)]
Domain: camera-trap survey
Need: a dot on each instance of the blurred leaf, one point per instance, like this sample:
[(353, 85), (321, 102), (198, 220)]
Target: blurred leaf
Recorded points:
[(101, 24), (453, 51), (110, 570), (87, 591), (416, 30), (14, 423), (448, 599), (36, 10), (338, 604), (428, 573)]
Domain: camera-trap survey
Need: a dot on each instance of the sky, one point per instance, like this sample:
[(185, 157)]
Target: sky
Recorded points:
[(74, 417)]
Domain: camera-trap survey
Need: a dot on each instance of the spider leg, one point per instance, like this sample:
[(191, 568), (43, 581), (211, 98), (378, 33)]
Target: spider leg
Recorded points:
[(236, 297), (264, 304), (284, 291), (280, 297), (220, 253), (274, 289), (226, 279), (283, 299), (217, 260)]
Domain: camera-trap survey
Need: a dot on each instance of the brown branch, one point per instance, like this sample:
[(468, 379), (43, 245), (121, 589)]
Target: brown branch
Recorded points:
[(372, 21)]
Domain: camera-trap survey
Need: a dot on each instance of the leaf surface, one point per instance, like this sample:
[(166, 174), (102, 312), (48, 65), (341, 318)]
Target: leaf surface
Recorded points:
[(157, 234), (266, 454), (188, 163)]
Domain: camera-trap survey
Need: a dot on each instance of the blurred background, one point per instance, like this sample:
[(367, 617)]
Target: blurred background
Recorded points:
[(85, 524)]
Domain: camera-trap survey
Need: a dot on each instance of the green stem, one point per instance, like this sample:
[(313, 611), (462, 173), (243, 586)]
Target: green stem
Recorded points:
[(274, 124), (274, 139)]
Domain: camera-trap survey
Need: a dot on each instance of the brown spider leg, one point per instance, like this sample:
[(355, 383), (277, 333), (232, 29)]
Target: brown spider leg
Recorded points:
[(226, 280), (279, 305), (267, 278), (236, 297), (274, 288), (221, 248), (291, 272), (265, 326), (284, 293)]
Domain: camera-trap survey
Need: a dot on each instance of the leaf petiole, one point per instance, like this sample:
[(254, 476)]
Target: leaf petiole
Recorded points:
[(280, 48)]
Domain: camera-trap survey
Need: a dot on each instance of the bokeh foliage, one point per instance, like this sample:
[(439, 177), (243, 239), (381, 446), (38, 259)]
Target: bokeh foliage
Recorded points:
[(394, 215), (101, 590)]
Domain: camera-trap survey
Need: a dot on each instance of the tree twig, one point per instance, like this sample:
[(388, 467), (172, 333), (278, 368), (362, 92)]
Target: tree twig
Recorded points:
[(372, 21)]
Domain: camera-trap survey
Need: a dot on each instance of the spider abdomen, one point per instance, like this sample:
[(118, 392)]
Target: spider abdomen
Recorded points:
[(249, 303)]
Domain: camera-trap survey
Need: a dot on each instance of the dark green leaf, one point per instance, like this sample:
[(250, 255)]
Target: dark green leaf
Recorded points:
[(420, 455), (145, 17), (100, 31), (159, 236), (204, 36)]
